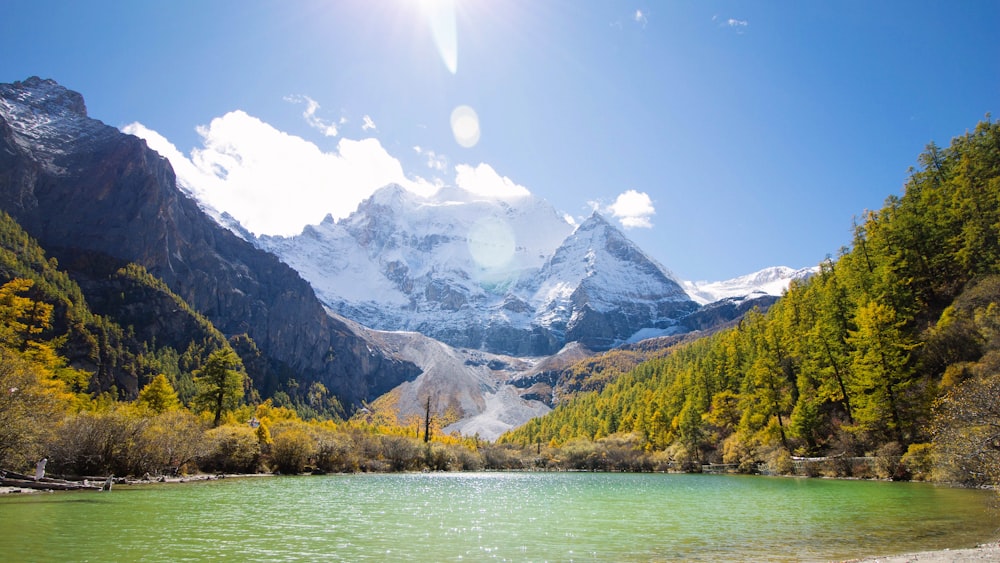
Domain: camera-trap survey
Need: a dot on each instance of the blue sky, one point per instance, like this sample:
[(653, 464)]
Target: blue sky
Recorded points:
[(724, 137)]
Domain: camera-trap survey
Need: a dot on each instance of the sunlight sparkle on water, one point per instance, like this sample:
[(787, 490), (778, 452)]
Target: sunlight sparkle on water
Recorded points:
[(496, 516)]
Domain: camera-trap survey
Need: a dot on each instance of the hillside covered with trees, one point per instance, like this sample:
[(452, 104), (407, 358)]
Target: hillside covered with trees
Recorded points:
[(123, 393), (892, 350)]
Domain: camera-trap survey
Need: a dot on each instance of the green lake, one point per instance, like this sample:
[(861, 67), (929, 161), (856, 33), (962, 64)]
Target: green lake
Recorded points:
[(495, 516)]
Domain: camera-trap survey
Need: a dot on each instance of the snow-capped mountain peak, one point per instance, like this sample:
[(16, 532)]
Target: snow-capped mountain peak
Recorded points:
[(49, 120), (509, 276), (506, 276), (769, 281)]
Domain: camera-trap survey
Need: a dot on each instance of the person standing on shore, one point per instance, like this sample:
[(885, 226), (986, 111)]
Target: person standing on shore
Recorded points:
[(40, 468)]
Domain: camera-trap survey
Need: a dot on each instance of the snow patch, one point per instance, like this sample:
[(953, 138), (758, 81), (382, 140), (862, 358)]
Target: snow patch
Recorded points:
[(770, 281)]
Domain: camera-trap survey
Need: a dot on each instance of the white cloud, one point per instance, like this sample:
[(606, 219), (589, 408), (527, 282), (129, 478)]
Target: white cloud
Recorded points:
[(436, 162), (187, 173), (368, 124), (633, 209), (483, 180), (276, 183), (327, 128), (734, 23), (640, 18)]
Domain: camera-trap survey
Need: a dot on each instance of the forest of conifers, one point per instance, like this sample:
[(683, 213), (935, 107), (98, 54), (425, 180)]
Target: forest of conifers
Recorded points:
[(891, 349), (890, 352)]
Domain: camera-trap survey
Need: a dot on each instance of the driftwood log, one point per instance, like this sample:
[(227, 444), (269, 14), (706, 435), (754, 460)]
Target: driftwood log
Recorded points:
[(12, 479)]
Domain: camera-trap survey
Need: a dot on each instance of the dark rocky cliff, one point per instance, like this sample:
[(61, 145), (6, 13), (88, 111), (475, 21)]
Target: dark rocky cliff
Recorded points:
[(82, 188)]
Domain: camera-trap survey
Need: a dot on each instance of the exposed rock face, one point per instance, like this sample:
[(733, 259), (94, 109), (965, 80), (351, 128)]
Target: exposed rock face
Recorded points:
[(468, 390), (541, 382), (720, 313), (79, 186)]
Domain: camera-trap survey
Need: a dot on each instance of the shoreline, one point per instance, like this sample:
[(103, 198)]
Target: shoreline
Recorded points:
[(983, 552), (124, 482)]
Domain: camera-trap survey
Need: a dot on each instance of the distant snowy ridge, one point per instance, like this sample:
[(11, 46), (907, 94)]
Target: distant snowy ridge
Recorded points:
[(769, 281)]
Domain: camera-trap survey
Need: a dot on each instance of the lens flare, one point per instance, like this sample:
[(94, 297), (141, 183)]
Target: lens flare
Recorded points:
[(441, 18), (491, 243), (465, 126)]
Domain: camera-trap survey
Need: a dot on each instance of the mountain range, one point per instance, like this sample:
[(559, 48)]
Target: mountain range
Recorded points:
[(452, 297)]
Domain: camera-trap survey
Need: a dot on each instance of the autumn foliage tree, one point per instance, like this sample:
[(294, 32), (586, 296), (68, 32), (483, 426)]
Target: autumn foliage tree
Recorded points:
[(220, 383), (30, 409), (159, 396)]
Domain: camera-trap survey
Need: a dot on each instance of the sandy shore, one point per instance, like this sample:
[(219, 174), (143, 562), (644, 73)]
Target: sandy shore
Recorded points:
[(985, 552)]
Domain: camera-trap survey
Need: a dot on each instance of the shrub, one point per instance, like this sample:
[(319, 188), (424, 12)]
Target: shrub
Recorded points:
[(102, 443), (438, 458), (401, 452), (887, 461), (232, 449), (335, 452), (172, 440), (777, 461), (499, 457), (919, 461), (735, 450), (468, 460), (293, 447)]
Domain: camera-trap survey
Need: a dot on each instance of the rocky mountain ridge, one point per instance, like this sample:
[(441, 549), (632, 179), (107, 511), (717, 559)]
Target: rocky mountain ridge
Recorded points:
[(91, 194)]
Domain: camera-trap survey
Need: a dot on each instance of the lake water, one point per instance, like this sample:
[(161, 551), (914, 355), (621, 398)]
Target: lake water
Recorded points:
[(495, 516)]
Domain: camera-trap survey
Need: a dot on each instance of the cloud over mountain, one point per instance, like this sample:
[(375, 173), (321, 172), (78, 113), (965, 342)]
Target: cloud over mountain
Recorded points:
[(634, 209), (273, 182)]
